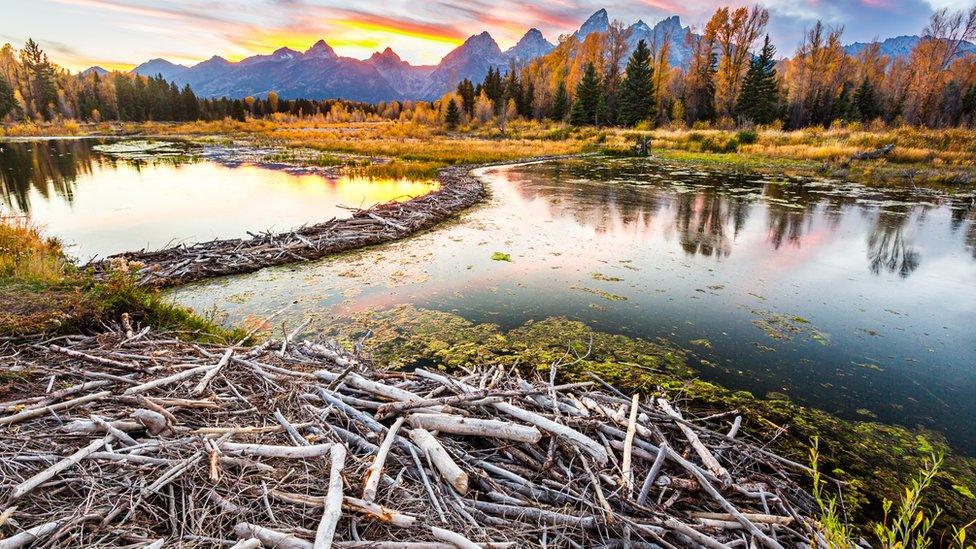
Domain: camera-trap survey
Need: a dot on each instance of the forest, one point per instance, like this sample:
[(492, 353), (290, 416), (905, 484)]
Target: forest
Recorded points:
[(734, 79)]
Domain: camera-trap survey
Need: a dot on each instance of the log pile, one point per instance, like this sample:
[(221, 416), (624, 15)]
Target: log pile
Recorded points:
[(376, 225), (128, 438)]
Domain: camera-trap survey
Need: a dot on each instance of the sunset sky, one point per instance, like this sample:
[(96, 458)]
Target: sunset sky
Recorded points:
[(117, 34)]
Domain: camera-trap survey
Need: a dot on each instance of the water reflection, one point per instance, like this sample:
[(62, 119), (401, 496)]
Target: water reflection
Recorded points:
[(101, 204)]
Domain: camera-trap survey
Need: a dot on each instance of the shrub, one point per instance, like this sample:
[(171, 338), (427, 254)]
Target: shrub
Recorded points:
[(747, 137)]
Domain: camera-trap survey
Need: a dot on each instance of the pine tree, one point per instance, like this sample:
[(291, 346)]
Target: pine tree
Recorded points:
[(758, 98), (589, 106), (636, 101), (452, 116), (467, 93), (865, 107), (560, 103), (7, 101)]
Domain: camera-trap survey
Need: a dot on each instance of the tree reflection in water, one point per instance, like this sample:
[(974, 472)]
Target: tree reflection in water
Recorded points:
[(889, 250)]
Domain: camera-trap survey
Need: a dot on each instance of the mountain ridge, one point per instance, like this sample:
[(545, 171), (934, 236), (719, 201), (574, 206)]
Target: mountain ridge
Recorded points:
[(320, 73)]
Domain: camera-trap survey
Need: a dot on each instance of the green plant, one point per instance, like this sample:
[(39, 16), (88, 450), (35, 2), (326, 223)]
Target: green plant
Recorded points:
[(833, 528), (909, 525), (747, 137)]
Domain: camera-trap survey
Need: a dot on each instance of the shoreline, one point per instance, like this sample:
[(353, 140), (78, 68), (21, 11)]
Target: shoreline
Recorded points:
[(379, 224)]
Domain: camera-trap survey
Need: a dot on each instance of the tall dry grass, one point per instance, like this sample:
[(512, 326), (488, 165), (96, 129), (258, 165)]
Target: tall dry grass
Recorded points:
[(26, 255)]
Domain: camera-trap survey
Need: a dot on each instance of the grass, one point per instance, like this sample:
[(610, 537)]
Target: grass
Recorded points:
[(42, 292)]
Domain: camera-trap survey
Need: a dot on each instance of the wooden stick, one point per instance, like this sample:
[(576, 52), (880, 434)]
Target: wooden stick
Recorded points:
[(40, 478), (375, 471), (652, 474), (36, 412), (626, 476), (441, 459), (202, 385), (454, 538), (333, 499), (270, 538), (459, 425), (29, 536), (706, 456), (286, 452)]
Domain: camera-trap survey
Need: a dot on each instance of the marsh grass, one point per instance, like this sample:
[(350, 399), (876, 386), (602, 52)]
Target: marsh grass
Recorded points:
[(42, 291)]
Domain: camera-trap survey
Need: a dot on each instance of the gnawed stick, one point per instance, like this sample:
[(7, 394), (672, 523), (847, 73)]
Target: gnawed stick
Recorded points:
[(625, 474), (460, 425), (449, 470), (47, 474), (704, 453), (333, 499), (454, 538), (29, 536), (270, 538), (205, 380), (375, 471), (652, 474), (268, 450), (37, 412)]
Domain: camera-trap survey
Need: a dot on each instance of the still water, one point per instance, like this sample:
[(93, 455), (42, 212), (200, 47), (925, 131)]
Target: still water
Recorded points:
[(855, 300), (104, 198)]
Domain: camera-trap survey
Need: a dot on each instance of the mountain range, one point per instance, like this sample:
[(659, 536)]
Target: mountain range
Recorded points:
[(320, 73), (901, 46)]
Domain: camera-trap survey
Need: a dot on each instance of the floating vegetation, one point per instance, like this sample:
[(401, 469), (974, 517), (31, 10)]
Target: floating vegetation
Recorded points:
[(605, 295), (501, 256), (142, 149), (605, 278), (783, 327), (704, 343)]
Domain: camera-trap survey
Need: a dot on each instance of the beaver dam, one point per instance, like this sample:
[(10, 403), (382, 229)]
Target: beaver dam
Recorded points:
[(128, 437)]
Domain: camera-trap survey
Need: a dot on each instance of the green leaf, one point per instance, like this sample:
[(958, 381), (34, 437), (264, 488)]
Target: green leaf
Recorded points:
[(501, 256), (965, 491)]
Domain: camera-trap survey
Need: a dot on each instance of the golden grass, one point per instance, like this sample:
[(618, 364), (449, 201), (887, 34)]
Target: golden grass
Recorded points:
[(26, 256)]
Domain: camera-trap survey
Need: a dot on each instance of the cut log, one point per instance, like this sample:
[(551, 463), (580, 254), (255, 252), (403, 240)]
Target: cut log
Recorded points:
[(333, 499)]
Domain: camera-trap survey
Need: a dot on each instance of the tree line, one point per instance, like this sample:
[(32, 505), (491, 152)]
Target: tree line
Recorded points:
[(733, 78), (33, 88)]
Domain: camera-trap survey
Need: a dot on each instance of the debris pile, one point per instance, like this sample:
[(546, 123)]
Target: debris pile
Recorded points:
[(129, 438)]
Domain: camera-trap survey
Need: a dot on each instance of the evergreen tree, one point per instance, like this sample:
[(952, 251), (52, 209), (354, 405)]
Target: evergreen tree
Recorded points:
[(969, 103), (513, 89), (636, 101), (525, 106), (589, 105), (865, 107), (493, 88), (7, 101), (466, 91), (191, 107), (237, 111), (560, 103), (452, 116), (759, 96), (41, 84)]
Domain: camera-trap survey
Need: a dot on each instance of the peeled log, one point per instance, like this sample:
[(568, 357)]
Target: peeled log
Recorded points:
[(441, 460), (460, 425)]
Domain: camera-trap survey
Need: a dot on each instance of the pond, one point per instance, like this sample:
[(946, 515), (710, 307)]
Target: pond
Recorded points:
[(855, 300), (104, 197)]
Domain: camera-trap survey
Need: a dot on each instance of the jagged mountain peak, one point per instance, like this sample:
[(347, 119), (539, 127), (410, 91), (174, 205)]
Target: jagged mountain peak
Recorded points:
[(285, 53), (387, 55), (533, 44), (598, 22), (320, 49), (94, 70)]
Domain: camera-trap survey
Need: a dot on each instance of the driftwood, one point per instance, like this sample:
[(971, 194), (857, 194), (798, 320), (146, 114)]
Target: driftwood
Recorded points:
[(203, 445), (872, 154)]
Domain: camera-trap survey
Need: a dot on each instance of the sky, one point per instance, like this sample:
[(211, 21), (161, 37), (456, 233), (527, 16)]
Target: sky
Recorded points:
[(119, 34)]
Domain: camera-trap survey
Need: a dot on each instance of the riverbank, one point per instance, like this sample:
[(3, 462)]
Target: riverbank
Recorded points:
[(884, 463), (920, 157)]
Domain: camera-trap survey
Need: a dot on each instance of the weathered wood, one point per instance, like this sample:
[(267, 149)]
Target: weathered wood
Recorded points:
[(25, 487), (372, 479), (449, 470), (332, 510), (270, 538), (460, 425)]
